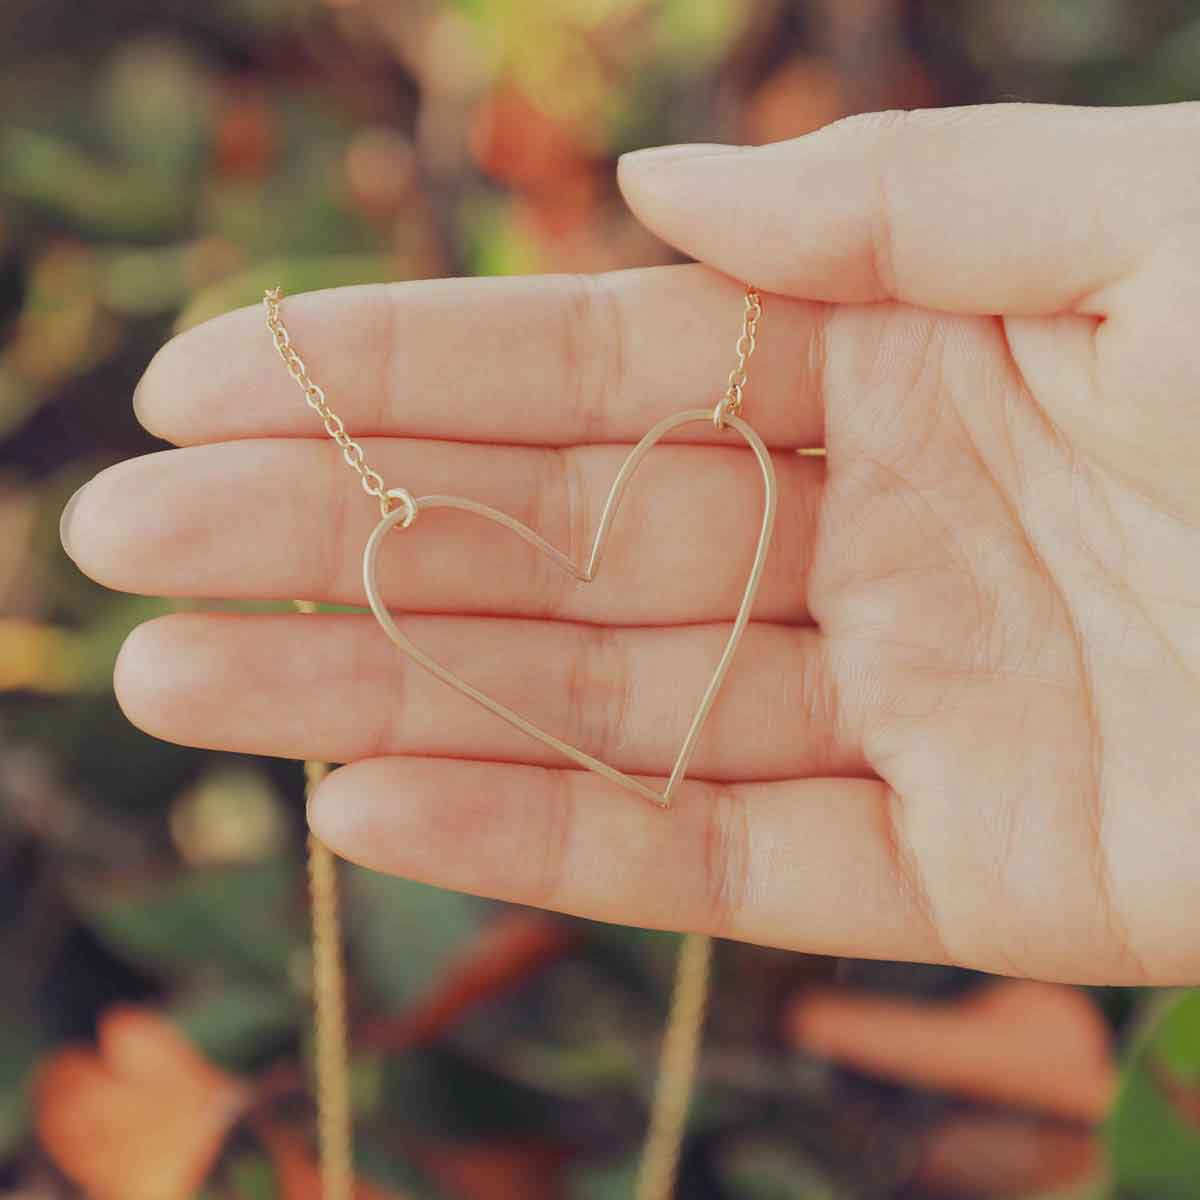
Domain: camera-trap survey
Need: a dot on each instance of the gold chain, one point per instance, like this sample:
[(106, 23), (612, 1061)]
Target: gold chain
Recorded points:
[(685, 1022), (735, 389), (676, 1070), (331, 1051), (314, 394)]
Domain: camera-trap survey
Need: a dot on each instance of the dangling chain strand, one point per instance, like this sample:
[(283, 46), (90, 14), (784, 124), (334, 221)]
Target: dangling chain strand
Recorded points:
[(676, 1070), (335, 1137), (685, 1022), (331, 1050)]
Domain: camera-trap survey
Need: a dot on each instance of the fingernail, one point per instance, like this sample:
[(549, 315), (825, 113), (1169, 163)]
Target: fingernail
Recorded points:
[(653, 155), (139, 403), (64, 522), (335, 821)]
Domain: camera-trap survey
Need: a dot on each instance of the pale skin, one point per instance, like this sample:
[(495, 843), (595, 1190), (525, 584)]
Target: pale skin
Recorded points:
[(965, 724)]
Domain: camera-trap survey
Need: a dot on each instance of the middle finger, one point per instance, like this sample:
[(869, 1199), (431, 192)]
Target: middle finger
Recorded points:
[(274, 519)]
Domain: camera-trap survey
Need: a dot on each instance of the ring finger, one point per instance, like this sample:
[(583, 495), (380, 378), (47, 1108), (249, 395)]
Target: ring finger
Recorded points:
[(329, 687)]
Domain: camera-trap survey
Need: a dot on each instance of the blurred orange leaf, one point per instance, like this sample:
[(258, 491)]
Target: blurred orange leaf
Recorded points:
[(1004, 1156), (517, 143), (564, 208), (244, 145), (1035, 1045), (143, 1117), (507, 952), (380, 171), (800, 96), (532, 1171)]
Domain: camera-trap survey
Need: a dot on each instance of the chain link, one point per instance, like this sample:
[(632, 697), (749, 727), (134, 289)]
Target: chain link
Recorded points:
[(732, 401), (314, 395)]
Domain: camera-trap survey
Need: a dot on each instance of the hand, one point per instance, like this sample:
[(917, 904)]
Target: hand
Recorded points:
[(965, 726)]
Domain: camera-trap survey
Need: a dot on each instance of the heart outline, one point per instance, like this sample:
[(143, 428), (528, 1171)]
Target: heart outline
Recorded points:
[(405, 514)]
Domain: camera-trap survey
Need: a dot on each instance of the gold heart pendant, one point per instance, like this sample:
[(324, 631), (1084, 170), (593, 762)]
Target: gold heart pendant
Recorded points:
[(406, 512)]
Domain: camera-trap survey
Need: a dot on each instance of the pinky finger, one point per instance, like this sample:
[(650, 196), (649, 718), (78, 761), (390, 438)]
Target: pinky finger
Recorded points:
[(803, 864)]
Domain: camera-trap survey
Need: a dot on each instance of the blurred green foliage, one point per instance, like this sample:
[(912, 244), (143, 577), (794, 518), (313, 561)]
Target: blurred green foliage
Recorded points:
[(1154, 1129), (160, 164)]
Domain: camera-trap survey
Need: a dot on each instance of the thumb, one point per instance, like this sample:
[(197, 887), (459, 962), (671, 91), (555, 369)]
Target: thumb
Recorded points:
[(1007, 208)]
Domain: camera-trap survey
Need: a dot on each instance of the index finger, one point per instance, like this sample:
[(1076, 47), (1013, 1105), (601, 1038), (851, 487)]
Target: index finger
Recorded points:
[(544, 359)]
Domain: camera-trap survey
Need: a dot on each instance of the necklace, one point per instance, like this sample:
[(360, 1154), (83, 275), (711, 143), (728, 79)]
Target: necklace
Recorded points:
[(398, 509)]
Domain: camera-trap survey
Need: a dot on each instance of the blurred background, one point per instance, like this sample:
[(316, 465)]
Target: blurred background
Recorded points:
[(161, 162)]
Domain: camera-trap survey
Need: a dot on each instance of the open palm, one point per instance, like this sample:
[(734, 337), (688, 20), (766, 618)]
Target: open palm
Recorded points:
[(965, 724)]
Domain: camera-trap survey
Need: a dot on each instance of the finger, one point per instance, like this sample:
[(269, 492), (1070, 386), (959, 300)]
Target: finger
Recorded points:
[(551, 359), (330, 688), (1008, 208), (803, 864), (277, 519)]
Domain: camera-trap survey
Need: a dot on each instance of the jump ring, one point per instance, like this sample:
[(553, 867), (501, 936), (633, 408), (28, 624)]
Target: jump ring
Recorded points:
[(726, 408), (402, 496)]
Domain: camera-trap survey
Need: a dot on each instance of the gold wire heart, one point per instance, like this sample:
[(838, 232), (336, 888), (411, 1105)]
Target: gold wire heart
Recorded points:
[(406, 513)]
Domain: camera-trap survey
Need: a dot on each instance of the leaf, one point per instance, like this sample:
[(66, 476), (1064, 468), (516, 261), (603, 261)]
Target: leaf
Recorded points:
[(519, 143), (234, 1023), (1177, 1042), (997, 1156), (52, 174), (155, 98), (22, 1019), (404, 934), (252, 1178), (696, 34), (143, 1117), (609, 1182), (495, 244), (1095, 1190), (764, 1171), (797, 98), (297, 1174), (245, 921), (1036, 1045), (505, 953), (377, 1157), (443, 1093), (600, 1062), (1154, 1131), (16, 1059), (497, 1170)]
